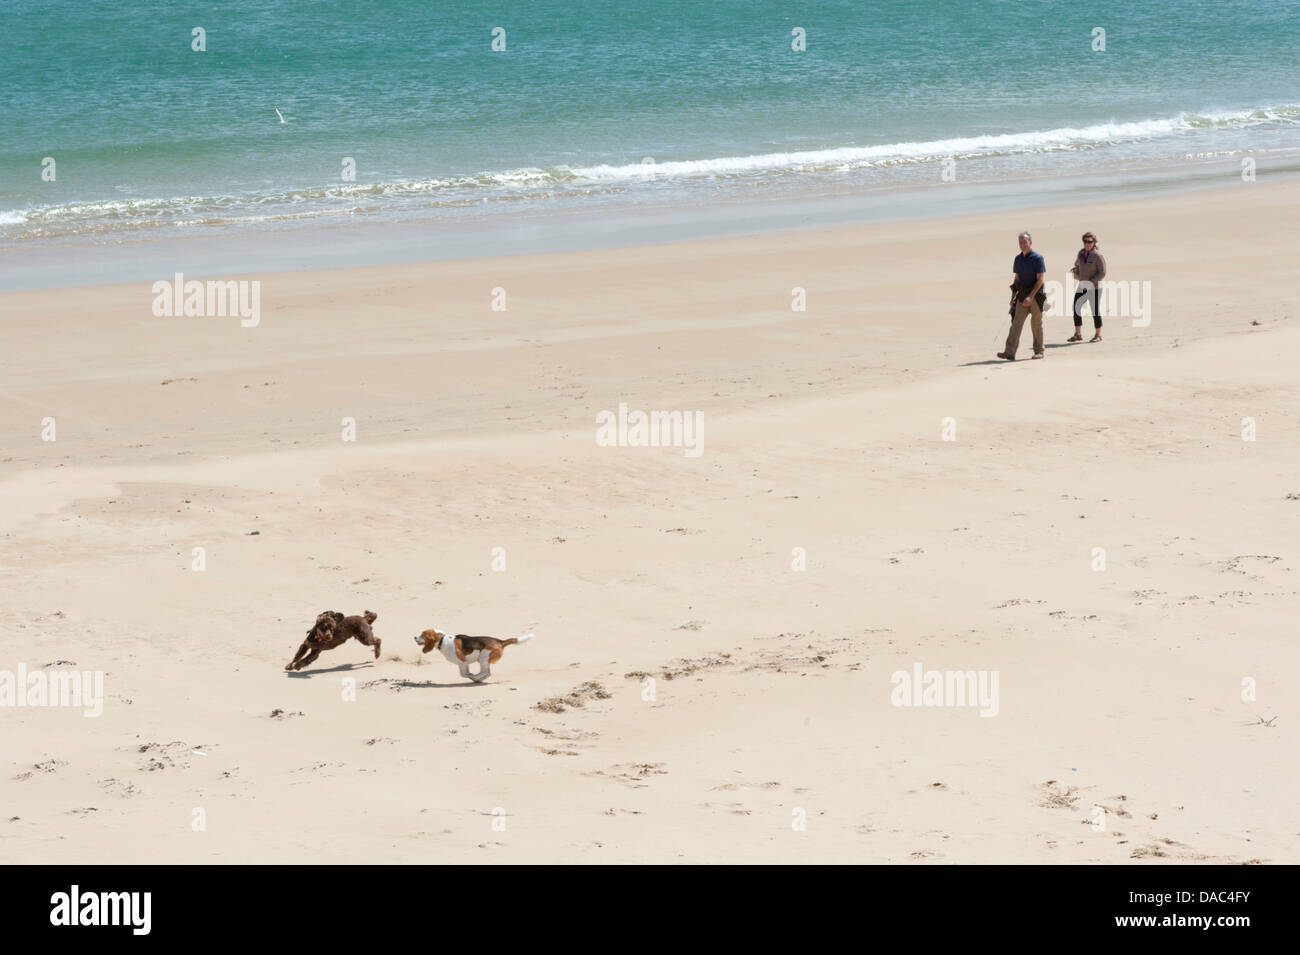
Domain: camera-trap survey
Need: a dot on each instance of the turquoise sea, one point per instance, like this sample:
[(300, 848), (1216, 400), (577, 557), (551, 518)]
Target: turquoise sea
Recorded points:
[(601, 107)]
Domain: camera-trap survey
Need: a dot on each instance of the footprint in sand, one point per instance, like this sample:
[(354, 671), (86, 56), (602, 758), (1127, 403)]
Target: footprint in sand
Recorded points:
[(172, 755), (631, 774), (796, 652), (577, 698), (734, 786), (44, 766), (556, 735), (119, 787), (1054, 795)]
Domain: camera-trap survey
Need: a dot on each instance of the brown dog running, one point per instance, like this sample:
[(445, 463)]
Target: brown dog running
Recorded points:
[(461, 649), (332, 629)]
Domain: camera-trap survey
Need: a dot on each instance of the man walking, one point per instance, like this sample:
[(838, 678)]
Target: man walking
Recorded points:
[(1030, 271)]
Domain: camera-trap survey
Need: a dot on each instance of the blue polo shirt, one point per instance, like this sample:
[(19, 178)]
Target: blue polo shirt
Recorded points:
[(1028, 268)]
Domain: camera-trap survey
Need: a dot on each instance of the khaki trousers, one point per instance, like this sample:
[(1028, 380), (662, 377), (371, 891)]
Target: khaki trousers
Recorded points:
[(1024, 310)]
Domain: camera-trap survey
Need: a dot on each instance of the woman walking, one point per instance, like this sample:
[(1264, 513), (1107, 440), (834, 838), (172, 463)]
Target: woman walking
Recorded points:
[(1089, 269)]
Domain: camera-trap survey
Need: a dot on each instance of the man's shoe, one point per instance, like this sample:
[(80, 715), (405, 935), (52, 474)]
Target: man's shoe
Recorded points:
[(1003, 354), (1039, 354)]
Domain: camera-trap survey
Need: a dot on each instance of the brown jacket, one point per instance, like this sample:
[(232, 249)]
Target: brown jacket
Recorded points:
[(1090, 269)]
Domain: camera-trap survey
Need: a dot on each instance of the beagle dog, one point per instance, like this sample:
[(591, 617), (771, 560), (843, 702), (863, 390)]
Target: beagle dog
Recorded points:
[(461, 649)]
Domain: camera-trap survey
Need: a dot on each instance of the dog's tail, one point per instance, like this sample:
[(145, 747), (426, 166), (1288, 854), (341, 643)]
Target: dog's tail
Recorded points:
[(370, 616), (524, 639)]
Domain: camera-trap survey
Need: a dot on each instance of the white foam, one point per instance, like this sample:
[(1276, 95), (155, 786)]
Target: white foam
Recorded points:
[(852, 157)]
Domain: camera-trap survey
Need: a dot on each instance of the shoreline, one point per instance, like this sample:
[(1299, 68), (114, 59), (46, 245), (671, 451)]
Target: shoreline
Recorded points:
[(341, 243)]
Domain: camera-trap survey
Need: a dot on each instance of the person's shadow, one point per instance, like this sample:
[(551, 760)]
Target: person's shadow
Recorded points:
[(1003, 361)]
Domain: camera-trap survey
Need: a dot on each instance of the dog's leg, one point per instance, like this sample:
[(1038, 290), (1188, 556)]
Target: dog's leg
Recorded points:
[(484, 669), (464, 669), (367, 636), (309, 658), (302, 650)]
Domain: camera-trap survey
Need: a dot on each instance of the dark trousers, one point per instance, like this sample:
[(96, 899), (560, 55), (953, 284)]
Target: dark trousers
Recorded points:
[(1083, 292)]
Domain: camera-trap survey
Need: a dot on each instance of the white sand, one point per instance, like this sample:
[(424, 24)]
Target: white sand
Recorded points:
[(822, 430)]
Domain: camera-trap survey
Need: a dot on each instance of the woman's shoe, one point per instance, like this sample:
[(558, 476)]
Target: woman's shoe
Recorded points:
[(1076, 337), (1097, 336)]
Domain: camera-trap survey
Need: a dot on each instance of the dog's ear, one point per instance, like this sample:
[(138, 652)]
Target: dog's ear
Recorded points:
[(338, 617)]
